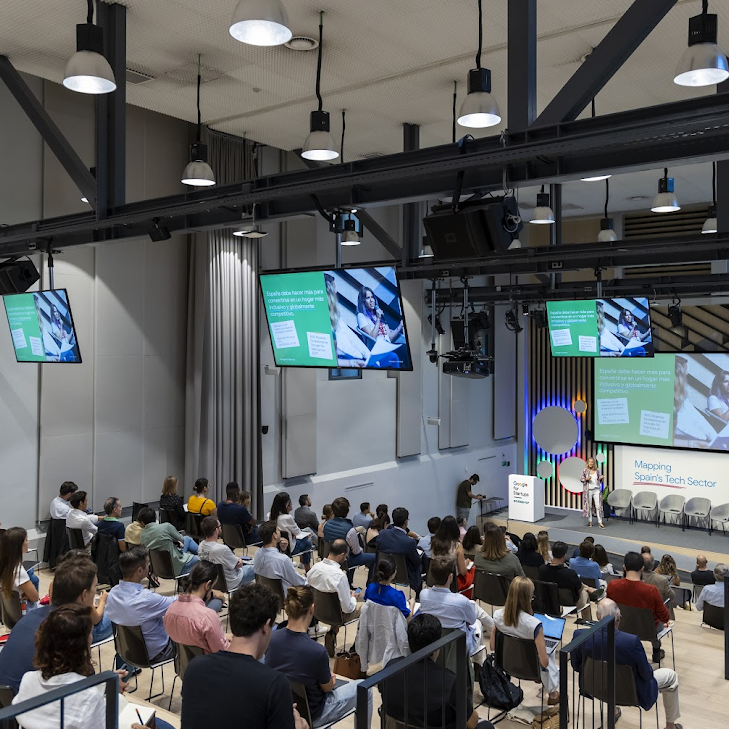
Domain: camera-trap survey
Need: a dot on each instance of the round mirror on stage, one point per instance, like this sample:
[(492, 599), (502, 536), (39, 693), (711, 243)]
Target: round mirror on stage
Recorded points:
[(580, 406), (601, 457), (555, 430), (545, 469), (569, 472)]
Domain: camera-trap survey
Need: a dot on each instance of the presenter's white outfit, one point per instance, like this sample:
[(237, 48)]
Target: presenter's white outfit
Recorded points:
[(591, 494)]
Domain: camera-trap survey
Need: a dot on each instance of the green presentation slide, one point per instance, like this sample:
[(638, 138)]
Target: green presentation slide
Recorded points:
[(573, 328), (634, 400), (25, 329), (298, 318)]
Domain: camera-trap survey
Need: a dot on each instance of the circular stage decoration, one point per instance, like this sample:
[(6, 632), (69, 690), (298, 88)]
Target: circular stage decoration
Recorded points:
[(545, 469), (569, 472), (601, 457), (580, 406), (555, 429)]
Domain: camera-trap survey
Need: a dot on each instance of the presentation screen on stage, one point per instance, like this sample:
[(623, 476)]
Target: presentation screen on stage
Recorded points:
[(600, 328), (336, 318), (41, 326), (679, 400)]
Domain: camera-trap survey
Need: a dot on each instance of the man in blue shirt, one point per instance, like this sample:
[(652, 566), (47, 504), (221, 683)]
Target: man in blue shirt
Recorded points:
[(340, 527), (364, 518), (233, 511), (584, 566), (110, 524)]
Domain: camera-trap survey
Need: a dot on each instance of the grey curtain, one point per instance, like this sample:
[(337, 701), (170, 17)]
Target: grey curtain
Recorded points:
[(222, 408)]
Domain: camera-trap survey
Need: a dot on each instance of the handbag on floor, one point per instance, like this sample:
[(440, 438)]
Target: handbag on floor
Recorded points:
[(498, 692), (348, 664)]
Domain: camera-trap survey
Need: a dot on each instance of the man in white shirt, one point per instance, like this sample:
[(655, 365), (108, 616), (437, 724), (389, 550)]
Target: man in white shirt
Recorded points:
[(60, 506), (236, 572), (714, 594), (78, 518), (271, 562)]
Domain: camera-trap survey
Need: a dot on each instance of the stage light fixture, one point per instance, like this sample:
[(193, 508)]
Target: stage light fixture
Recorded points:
[(260, 23), (525, 309), (198, 172), (512, 321), (539, 317), (703, 63), (158, 233), (676, 317), (543, 214), (665, 201)]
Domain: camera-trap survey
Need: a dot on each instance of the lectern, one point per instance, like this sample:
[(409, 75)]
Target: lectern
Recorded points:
[(526, 498)]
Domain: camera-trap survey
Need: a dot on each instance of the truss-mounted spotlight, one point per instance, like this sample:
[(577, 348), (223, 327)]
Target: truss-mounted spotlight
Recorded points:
[(665, 201), (543, 214)]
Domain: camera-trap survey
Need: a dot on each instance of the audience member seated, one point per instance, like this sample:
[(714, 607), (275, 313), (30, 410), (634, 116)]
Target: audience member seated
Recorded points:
[(74, 581), (300, 539), (129, 604), (645, 549), (517, 620), (660, 582), (378, 524), (364, 517), (633, 592), (494, 556), (133, 532), (543, 546), (234, 510), (576, 552), (528, 553), (397, 541), (702, 575), (511, 540), (165, 538), (425, 542), (667, 567), (382, 592), (305, 516), (340, 527), (193, 618), (328, 576), (199, 503), (714, 594), (326, 515), (111, 525), (78, 518), (269, 561), (425, 694), (60, 506), (629, 652), (262, 694), (446, 543), (455, 610), (210, 549), (13, 576), (558, 572), (472, 542), (602, 560), (304, 661), (172, 502), (584, 565), (461, 524)]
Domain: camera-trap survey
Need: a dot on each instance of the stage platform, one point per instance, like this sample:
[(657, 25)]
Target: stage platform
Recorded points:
[(620, 536)]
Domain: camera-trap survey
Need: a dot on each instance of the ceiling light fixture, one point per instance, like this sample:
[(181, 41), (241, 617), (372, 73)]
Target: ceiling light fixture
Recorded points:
[(427, 250), (253, 230), (710, 225), (198, 172), (350, 236), (319, 145), (260, 23), (87, 71), (665, 201), (703, 63), (479, 108), (543, 214), (606, 234), (595, 178)]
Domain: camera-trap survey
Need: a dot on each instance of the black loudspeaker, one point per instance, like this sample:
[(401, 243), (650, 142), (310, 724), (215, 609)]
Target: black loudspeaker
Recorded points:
[(17, 276), (480, 228)]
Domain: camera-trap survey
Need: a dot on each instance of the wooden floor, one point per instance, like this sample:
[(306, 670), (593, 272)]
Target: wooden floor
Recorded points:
[(704, 694)]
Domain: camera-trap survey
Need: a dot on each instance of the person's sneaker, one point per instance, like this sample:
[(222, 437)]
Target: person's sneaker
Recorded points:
[(316, 631)]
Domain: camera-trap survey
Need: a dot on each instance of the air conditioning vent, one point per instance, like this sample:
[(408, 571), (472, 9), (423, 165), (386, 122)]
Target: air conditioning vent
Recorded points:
[(137, 77), (664, 225)]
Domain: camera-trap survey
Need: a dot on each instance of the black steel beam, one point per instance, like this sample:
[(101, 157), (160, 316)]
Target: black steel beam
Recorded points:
[(600, 66), (522, 63), (47, 128), (722, 185), (411, 213), (380, 234), (111, 112)]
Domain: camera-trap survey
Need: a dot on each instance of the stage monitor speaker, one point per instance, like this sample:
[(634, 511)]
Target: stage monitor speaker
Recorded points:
[(479, 228), (17, 276)]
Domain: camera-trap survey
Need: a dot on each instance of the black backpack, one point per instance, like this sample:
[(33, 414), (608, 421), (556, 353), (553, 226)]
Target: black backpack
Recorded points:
[(498, 692)]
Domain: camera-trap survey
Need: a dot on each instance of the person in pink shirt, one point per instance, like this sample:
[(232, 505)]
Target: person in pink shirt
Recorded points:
[(193, 618)]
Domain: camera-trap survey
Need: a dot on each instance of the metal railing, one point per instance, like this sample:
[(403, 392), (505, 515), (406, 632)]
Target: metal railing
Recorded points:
[(109, 678), (394, 669)]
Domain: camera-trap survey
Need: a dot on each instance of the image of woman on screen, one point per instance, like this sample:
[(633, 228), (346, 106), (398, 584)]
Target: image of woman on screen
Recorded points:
[(719, 398), (610, 345), (62, 335), (628, 327), (690, 428), (370, 318), (50, 347)]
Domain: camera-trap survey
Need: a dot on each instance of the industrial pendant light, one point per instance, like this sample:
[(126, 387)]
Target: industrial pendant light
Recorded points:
[(319, 145), (479, 108), (253, 230), (198, 172), (87, 71), (350, 236), (595, 178), (710, 226), (606, 234), (427, 250), (665, 201), (260, 23), (543, 214), (703, 63)]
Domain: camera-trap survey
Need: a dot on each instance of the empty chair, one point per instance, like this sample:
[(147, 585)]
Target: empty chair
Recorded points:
[(673, 506), (233, 536), (168, 516), (183, 656), (713, 616), (640, 622), (646, 503), (490, 588), (719, 514), (620, 499), (699, 508)]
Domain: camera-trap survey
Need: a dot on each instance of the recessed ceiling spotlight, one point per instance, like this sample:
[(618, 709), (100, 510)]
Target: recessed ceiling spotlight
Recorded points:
[(302, 43)]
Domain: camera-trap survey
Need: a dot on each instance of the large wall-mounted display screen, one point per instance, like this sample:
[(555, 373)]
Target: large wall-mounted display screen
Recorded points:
[(349, 317), (679, 400), (600, 328), (41, 326)]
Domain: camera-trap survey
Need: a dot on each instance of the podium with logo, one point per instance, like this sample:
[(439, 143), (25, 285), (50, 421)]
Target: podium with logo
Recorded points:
[(526, 498)]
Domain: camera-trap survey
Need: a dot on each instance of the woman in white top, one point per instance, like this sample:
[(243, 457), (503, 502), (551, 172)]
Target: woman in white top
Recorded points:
[(602, 560), (592, 479), (517, 620), (300, 539), (13, 576), (719, 398), (370, 318), (628, 327)]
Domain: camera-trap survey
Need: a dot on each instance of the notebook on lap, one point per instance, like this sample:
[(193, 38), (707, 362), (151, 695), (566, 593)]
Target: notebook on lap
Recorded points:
[(553, 629)]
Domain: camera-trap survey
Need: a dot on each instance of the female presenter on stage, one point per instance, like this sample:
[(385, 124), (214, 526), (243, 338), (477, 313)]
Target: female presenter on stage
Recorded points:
[(592, 492)]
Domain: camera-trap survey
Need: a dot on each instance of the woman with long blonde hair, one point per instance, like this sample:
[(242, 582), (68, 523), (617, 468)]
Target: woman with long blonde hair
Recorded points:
[(543, 546)]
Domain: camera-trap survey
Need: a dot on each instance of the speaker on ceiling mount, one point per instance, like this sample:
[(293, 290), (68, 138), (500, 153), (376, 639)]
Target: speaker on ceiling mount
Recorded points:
[(17, 276)]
